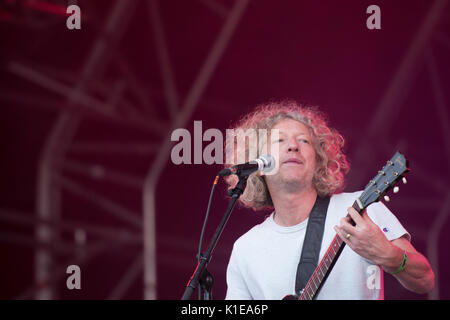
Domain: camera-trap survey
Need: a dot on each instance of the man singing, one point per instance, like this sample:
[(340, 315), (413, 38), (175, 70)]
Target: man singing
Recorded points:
[(311, 166)]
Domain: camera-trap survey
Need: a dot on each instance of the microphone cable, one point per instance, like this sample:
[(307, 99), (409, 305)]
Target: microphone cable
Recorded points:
[(202, 234)]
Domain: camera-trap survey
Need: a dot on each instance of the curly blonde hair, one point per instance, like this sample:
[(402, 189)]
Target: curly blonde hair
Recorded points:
[(331, 162)]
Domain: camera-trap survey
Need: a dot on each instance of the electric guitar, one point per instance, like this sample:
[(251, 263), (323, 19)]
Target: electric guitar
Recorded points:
[(387, 177)]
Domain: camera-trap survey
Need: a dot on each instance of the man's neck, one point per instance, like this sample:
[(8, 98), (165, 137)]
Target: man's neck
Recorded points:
[(293, 208)]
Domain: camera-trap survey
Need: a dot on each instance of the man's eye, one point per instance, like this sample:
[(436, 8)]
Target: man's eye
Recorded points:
[(304, 140)]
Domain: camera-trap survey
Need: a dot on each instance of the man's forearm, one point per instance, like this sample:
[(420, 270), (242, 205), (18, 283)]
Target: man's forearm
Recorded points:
[(417, 274)]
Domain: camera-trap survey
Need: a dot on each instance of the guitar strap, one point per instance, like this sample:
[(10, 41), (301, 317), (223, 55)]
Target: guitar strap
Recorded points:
[(312, 243)]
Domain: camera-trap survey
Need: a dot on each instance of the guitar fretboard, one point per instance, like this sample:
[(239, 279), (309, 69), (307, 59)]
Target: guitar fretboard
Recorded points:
[(326, 264)]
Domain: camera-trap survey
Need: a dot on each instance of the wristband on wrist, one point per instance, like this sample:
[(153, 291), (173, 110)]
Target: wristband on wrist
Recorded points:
[(402, 266)]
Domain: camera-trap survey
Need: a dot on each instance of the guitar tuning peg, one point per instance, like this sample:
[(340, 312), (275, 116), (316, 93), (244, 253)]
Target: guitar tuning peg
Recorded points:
[(387, 199), (396, 189), (404, 180)]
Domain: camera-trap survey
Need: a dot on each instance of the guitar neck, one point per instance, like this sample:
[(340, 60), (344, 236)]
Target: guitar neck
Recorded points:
[(326, 264), (387, 177)]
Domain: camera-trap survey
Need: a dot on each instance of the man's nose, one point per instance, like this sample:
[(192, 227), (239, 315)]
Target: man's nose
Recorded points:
[(293, 146)]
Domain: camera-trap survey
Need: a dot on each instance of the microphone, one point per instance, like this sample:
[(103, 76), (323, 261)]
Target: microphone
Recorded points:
[(264, 163)]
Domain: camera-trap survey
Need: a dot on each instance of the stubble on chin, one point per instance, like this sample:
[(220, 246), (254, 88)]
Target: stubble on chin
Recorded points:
[(288, 184)]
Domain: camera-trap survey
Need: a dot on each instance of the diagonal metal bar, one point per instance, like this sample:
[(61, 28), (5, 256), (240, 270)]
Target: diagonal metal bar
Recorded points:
[(109, 206), (216, 7), (17, 97), (114, 148), (129, 236), (433, 244), (145, 103), (440, 104), (99, 172), (126, 81), (59, 88), (130, 276), (29, 241), (84, 100), (392, 101), (167, 74)]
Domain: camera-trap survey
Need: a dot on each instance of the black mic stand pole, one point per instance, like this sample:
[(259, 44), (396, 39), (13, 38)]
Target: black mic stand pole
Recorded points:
[(200, 272)]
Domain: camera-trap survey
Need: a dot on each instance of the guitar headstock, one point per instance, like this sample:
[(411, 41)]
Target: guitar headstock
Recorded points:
[(394, 170)]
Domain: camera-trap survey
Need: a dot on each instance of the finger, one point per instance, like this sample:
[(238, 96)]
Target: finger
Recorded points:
[(355, 216), (342, 234), (367, 220), (365, 216), (348, 219), (346, 226)]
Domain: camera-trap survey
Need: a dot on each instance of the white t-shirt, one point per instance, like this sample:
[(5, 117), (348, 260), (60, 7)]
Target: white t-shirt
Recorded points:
[(263, 263)]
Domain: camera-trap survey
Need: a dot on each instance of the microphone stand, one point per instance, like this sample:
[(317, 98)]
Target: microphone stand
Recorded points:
[(201, 275)]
